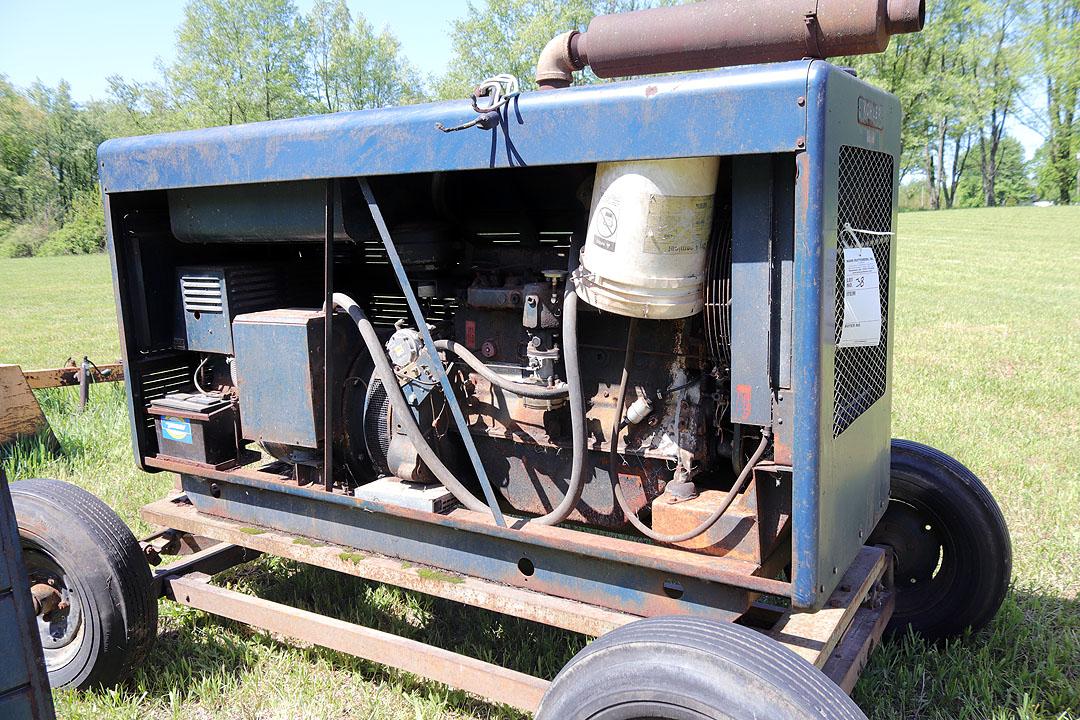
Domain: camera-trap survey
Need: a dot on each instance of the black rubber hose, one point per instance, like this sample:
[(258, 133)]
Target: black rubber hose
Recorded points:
[(402, 412), (538, 392), (613, 462), (408, 422), (576, 399)]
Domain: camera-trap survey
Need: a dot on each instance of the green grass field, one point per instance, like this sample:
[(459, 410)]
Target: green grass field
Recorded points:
[(987, 361)]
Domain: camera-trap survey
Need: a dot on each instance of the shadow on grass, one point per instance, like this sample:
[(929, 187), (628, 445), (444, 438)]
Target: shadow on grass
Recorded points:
[(1025, 664), (195, 648)]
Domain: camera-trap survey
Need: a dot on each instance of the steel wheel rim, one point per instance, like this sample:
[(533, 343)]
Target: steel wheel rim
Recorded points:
[(61, 632), (925, 555)]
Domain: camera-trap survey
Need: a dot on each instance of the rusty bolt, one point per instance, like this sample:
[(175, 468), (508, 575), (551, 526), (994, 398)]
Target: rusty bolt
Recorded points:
[(800, 141), (801, 101)]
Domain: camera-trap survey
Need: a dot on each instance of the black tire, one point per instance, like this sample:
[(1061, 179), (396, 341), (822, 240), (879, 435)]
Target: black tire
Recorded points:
[(71, 537), (953, 556), (684, 668)]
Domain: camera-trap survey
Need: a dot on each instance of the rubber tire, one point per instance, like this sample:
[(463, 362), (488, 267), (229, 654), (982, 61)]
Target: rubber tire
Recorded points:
[(98, 552), (974, 574), (686, 668)]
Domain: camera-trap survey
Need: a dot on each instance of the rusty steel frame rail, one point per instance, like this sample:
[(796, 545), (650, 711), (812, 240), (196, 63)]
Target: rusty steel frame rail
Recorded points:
[(477, 592), (724, 571), (487, 680), (70, 376), (210, 561), (814, 635), (838, 639), (839, 643)]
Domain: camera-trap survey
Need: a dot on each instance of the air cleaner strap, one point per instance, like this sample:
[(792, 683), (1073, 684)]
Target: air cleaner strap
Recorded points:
[(429, 343)]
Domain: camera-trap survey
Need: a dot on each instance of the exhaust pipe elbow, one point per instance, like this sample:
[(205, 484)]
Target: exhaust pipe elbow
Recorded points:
[(558, 61), (905, 16)]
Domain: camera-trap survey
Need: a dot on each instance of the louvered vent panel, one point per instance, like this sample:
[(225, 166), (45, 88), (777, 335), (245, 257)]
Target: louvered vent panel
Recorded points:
[(253, 290), (202, 293), (385, 310), (164, 377)]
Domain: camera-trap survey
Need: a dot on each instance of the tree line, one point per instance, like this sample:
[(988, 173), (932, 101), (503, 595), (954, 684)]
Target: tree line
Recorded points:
[(977, 66)]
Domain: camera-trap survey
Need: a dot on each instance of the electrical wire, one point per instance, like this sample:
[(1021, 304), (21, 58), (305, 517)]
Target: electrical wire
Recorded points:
[(613, 462), (198, 371), (686, 385)]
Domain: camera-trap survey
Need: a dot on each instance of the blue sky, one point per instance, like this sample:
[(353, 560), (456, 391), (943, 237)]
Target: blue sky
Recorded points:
[(85, 41)]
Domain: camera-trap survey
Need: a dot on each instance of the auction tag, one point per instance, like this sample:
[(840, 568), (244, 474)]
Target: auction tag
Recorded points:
[(862, 299)]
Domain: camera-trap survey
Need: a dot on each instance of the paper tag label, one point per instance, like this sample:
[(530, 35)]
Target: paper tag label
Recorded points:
[(862, 299), (678, 225)]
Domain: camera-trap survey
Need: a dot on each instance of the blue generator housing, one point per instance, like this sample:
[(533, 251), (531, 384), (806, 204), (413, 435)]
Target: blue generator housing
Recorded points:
[(792, 345)]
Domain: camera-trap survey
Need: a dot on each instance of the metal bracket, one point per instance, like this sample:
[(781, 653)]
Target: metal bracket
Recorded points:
[(812, 46), (429, 344)]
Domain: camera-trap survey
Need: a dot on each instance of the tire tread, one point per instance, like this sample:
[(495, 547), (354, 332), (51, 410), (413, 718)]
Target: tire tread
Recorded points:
[(110, 535)]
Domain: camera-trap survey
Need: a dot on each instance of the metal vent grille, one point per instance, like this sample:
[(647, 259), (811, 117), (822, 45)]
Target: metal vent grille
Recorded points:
[(386, 310), (159, 378), (864, 202), (253, 289), (202, 293), (377, 424)]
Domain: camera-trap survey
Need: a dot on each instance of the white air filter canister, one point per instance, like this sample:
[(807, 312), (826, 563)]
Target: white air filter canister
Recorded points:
[(649, 226)]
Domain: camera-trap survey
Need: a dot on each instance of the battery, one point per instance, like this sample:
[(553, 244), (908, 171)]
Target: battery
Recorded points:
[(197, 427)]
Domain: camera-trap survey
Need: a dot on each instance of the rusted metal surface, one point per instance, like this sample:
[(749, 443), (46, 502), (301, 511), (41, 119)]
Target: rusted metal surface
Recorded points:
[(210, 561), (489, 681), (813, 636), (517, 602), (848, 660), (67, 376), (532, 445), (719, 33), (837, 639), (173, 542), (722, 571), (20, 414), (614, 581), (46, 598), (738, 534)]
